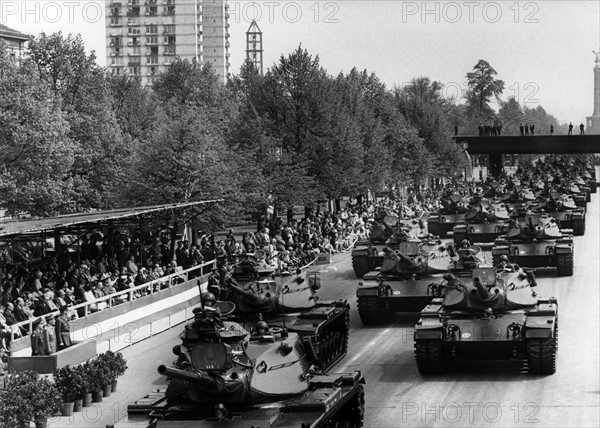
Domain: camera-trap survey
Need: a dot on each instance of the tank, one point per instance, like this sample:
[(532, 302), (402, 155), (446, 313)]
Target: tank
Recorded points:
[(226, 376), (387, 232), (491, 315), (292, 303), (536, 241), (442, 224), (396, 287), (252, 265), (564, 210)]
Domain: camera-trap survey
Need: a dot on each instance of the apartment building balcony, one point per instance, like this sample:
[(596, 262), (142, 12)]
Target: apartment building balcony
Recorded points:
[(168, 62), (134, 44), (135, 54), (152, 61), (134, 21), (151, 2), (115, 54), (134, 64), (117, 64)]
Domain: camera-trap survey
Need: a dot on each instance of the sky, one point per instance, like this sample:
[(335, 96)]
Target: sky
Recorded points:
[(541, 49)]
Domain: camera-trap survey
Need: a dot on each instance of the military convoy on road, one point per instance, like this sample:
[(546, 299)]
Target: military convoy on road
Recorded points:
[(262, 355)]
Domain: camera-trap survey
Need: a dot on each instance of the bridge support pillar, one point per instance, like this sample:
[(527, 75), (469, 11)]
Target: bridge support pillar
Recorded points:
[(495, 164)]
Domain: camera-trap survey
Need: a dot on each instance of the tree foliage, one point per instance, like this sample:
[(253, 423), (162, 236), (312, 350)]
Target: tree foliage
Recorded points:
[(36, 152), (483, 85), (73, 138)]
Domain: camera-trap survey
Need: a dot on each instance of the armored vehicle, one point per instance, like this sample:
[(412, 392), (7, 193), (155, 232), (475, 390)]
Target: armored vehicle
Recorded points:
[(442, 225), (398, 288), (489, 316), (367, 255), (537, 243), (295, 306), (227, 376)]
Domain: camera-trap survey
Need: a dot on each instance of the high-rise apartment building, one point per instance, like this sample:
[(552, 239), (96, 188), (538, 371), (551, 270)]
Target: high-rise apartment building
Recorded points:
[(143, 37)]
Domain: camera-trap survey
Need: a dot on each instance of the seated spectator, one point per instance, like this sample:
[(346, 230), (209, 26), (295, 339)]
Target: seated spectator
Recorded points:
[(89, 297), (43, 306), (132, 267)]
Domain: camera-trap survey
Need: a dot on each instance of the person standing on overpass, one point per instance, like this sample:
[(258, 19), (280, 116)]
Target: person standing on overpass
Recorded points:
[(570, 128), (581, 131)]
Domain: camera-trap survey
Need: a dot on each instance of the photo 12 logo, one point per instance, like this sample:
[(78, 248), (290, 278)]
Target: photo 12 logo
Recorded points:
[(291, 12), (51, 12), (469, 11)]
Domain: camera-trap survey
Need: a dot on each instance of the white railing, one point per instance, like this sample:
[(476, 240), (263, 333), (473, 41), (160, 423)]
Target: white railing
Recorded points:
[(123, 296)]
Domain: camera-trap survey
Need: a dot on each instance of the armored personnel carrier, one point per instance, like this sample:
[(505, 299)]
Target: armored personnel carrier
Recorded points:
[(489, 316), (535, 242), (227, 376)]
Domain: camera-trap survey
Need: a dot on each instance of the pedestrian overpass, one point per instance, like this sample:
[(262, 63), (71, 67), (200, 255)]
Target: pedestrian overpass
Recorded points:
[(497, 146)]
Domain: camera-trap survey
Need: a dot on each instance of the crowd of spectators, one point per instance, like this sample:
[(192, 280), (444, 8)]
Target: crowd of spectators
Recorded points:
[(99, 268)]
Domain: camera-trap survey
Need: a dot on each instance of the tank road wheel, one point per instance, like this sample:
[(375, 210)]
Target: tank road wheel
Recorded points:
[(429, 356), (352, 414), (361, 265), (371, 312), (541, 355), (578, 227), (564, 264)]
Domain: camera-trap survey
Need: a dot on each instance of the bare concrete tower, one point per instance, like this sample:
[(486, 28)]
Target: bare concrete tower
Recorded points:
[(593, 121), (254, 46)]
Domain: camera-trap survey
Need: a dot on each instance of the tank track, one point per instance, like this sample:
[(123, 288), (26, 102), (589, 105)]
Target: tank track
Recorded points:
[(331, 343), (564, 264), (352, 414), (361, 265), (370, 311), (429, 356), (541, 354), (578, 227)]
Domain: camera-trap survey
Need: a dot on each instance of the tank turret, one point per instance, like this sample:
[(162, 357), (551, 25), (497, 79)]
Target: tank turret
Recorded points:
[(494, 314), (263, 377)]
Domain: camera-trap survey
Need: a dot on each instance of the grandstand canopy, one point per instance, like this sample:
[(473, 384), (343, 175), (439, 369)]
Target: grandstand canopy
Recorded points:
[(33, 228)]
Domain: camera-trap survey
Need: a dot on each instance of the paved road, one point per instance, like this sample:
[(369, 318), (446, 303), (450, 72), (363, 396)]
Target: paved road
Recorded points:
[(476, 394)]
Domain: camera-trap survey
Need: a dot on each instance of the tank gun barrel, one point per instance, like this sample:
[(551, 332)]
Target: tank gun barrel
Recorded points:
[(483, 292), (201, 378)]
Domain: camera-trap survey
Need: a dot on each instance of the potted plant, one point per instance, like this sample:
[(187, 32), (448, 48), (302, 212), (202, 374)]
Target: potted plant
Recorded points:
[(117, 365), (29, 396), (46, 401), (94, 373), (16, 409), (85, 386), (68, 381)]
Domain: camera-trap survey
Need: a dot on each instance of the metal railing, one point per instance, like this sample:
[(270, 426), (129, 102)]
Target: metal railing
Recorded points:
[(86, 308)]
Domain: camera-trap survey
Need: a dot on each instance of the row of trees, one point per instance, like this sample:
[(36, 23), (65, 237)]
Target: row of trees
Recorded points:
[(73, 137)]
